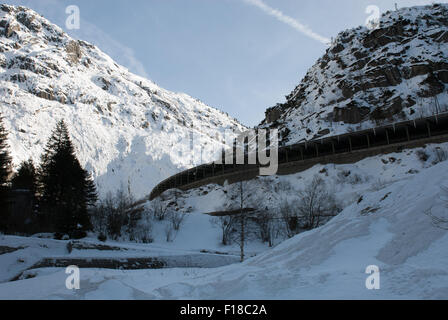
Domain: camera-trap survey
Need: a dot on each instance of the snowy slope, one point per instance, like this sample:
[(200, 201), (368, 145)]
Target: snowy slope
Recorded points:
[(387, 228), (368, 77), (127, 130)]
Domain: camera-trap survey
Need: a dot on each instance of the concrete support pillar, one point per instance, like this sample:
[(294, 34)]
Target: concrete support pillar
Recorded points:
[(332, 146), (429, 129), (368, 141), (387, 137), (407, 134), (350, 142)]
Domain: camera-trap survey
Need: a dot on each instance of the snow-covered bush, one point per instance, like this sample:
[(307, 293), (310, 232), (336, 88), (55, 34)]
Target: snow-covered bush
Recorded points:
[(346, 176), (315, 206), (283, 186), (440, 155), (176, 219), (143, 229), (379, 185), (159, 209), (169, 232), (422, 155), (289, 217), (267, 223), (226, 224), (116, 216)]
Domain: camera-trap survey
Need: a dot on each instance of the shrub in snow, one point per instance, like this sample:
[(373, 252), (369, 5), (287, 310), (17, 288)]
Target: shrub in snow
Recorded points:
[(289, 218), (176, 219), (102, 237), (143, 229), (266, 221), (379, 184), (227, 226), (422, 155), (440, 155), (315, 206), (169, 232), (159, 209), (118, 216), (346, 176)]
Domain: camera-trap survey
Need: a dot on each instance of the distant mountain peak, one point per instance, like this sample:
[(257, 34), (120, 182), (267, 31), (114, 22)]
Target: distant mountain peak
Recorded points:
[(127, 130)]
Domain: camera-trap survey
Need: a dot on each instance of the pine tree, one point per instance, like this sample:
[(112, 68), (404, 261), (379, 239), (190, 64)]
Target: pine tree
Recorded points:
[(5, 159), (66, 189), (25, 178), (23, 212), (5, 171)]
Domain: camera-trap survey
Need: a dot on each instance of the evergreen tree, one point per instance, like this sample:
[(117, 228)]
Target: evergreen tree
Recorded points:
[(5, 171), (23, 212), (25, 178), (66, 189)]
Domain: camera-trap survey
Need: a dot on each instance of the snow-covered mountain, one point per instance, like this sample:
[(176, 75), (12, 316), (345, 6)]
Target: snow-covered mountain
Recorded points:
[(127, 130), (396, 71)]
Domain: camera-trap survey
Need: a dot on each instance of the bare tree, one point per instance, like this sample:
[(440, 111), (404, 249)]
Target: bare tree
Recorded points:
[(176, 219), (159, 209), (227, 226), (238, 196), (267, 225), (290, 218), (169, 232), (317, 205), (143, 229)]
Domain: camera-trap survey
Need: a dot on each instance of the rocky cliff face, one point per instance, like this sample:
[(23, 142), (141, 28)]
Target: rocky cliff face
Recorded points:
[(127, 130), (366, 77)]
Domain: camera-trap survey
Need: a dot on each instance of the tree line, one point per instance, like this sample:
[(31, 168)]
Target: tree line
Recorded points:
[(59, 191), (313, 207)]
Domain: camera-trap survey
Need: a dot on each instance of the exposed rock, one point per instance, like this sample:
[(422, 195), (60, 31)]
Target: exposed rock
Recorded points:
[(371, 75), (27, 20), (74, 53), (443, 76), (11, 29), (272, 115), (46, 95), (5, 8), (351, 114)]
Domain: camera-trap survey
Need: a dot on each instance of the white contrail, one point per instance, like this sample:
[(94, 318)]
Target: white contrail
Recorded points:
[(288, 20)]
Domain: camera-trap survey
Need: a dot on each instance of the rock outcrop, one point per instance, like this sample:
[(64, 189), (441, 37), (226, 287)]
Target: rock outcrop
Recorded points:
[(366, 77)]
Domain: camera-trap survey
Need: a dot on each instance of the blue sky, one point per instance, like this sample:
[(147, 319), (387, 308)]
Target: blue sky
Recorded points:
[(235, 55)]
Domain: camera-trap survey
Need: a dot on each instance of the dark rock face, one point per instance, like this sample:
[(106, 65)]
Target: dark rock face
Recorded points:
[(273, 114), (351, 114), (372, 75)]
